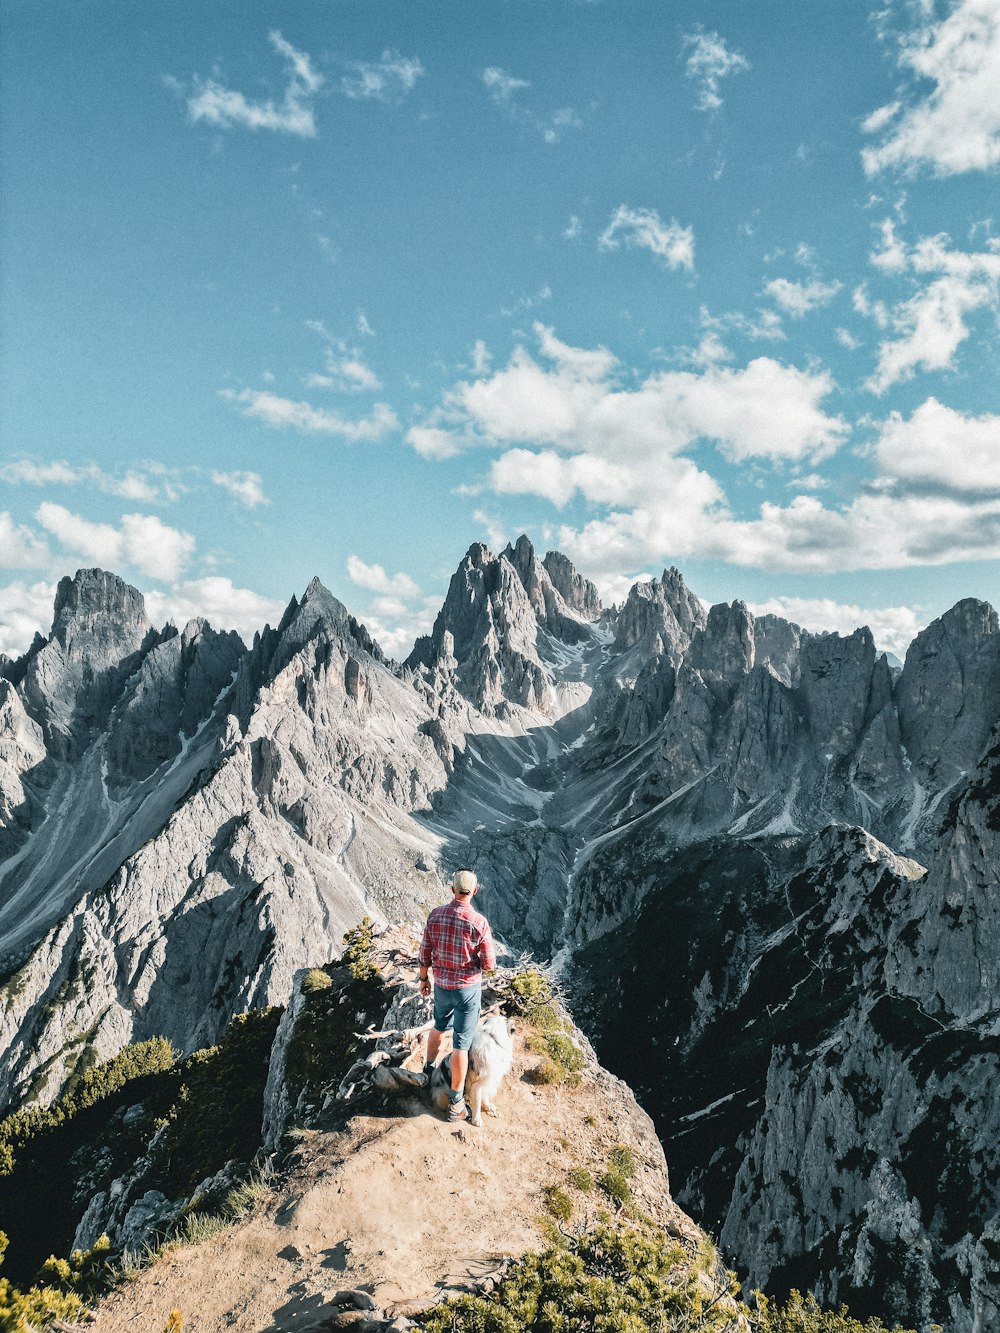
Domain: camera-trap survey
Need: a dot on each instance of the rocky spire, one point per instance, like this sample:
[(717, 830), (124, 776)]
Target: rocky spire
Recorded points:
[(99, 632)]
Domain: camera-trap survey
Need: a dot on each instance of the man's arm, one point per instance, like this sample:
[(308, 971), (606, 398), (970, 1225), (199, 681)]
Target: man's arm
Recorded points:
[(424, 959), (487, 949)]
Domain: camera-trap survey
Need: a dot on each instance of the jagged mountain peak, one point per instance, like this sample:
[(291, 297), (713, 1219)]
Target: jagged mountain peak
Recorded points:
[(579, 594), (96, 597)]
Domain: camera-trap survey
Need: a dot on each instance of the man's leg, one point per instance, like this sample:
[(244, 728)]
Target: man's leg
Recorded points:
[(433, 1045), (459, 1069)]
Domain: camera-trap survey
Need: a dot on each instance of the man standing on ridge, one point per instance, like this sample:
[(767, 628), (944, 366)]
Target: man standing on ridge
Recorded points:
[(458, 945)]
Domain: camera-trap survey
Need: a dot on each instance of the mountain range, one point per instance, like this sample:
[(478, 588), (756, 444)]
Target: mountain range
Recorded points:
[(763, 861)]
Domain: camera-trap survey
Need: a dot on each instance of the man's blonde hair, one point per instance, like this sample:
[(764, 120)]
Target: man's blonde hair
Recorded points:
[(464, 882)]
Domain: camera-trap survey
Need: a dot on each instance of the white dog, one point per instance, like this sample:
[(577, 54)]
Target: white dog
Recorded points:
[(490, 1058)]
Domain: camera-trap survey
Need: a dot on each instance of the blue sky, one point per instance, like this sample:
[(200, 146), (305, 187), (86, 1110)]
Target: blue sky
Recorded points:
[(338, 288)]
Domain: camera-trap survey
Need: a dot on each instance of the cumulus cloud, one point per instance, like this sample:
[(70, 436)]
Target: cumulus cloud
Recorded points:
[(642, 227), (798, 298), (576, 403), (25, 610), (940, 447), (286, 412), (955, 126), (219, 601), (708, 63), (375, 579), (245, 486), (387, 80), (931, 325), (20, 548), (893, 627), (225, 107), (141, 540)]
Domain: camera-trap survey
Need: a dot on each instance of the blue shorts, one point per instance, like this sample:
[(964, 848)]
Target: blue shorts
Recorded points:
[(458, 1009)]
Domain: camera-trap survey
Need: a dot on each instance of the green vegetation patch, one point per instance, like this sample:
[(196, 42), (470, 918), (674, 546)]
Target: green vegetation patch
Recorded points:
[(562, 1062), (630, 1278), (187, 1118)]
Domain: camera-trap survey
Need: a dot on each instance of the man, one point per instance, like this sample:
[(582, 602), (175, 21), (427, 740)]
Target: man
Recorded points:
[(458, 946)]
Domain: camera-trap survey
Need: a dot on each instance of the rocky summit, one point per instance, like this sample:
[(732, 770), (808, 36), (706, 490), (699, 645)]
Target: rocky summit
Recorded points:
[(764, 861)]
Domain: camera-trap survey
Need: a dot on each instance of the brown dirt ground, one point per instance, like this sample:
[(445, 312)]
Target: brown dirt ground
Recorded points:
[(402, 1204)]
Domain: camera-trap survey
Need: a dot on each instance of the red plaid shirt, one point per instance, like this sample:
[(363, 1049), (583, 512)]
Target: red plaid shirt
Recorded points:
[(458, 944)]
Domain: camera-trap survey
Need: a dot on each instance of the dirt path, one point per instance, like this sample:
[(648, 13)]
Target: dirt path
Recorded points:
[(401, 1204)]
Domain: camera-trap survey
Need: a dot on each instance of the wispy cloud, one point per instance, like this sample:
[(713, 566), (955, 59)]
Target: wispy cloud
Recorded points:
[(504, 88), (148, 482), (928, 327), (708, 63), (954, 127), (389, 79), (642, 227), (286, 412), (501, 85), (293, 114), (798, 298), (244, 486)]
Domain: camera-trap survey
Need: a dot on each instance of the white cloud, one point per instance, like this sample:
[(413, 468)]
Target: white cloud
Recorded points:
[(494, 530), (709, 62), (245, 486), (503, 89), (363, 326), (387, 80), (955, 127), (931, 325), (501, 85), (847, 339), (154, 484), (25, 610), (573, 228), (20, 548), (215, 598), (893, 627), (765, 410), (798, 298), (432, 441), (642, 227), (224, 107), (142, 541), (940, 447), (280, 412), (375, 579)]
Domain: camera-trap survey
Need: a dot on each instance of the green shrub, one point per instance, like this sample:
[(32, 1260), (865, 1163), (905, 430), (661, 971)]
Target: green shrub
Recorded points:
[(558, 1202), (563, 1060), (83, 1091), (581, 1179), (804, 1314), (316, 979), (628, 1279), (622, 1160), (616, 1186), (525, 993), (63, 1288), (359, 950)]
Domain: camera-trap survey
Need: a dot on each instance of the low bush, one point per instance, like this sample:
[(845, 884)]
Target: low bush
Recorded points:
[(558, 1202), (563, 1061), (581, 1179), (629, 1279), (316, 979)]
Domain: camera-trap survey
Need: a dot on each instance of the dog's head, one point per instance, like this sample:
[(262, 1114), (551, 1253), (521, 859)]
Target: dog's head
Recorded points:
[(497, 1027)]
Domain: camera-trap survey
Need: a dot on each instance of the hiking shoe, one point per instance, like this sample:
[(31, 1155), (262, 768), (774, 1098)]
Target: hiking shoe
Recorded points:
[(457, 1111)]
